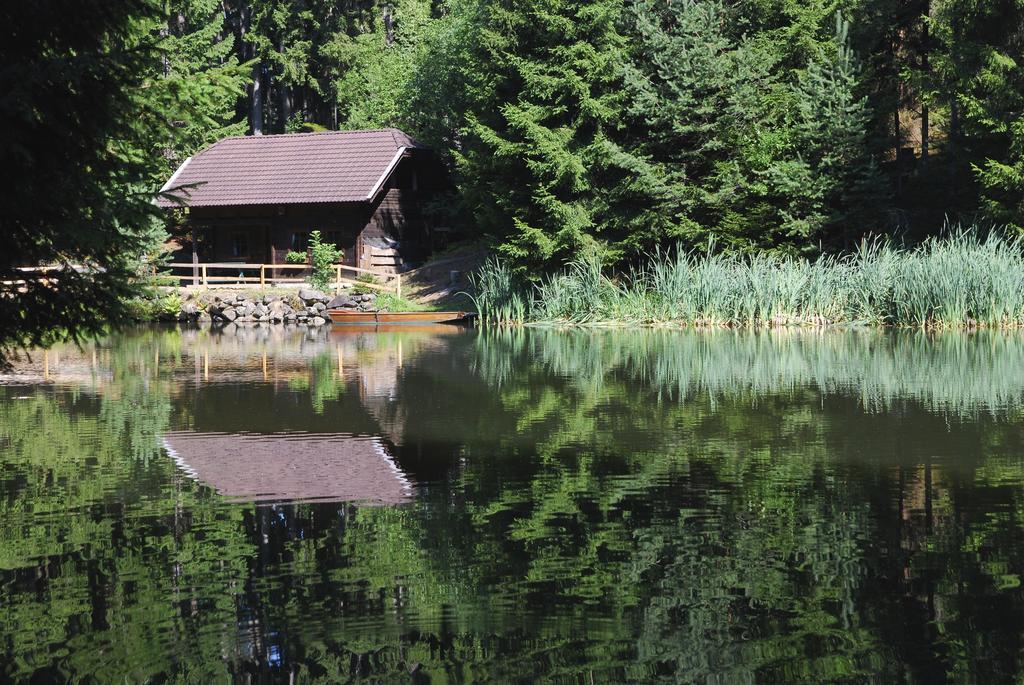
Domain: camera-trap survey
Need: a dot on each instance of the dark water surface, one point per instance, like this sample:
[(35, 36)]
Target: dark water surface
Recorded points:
[(454, 506)]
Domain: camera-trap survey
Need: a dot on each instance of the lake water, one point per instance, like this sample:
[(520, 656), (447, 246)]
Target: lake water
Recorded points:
[(514, 506)]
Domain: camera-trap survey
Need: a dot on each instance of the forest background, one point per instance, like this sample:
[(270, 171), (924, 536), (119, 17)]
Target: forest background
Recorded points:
[(621, 125), (610, 128)]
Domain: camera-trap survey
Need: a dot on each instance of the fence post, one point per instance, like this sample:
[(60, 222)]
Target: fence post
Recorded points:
[(205, 282), (263, 275), (337, 276)]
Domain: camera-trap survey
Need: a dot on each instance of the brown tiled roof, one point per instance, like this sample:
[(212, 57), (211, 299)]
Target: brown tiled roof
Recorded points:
[(291, 466), (340, 166)]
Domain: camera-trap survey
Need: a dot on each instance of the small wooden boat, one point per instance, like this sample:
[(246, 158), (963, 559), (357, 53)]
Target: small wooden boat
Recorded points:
[(347, 317)]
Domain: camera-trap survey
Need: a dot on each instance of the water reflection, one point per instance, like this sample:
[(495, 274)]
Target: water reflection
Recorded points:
[(606, 507), (290, 466)]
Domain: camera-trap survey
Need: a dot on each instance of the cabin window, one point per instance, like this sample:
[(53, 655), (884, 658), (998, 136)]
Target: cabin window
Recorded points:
[(239, 244), (334, 238), (300, 241)]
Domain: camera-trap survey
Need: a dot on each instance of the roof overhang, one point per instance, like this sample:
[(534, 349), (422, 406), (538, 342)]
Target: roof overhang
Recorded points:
[(170, 186), (387, 173)]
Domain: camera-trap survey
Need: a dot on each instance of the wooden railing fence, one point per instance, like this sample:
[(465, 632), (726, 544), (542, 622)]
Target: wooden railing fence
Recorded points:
[(47, 274), (207, 273), (213, 273)]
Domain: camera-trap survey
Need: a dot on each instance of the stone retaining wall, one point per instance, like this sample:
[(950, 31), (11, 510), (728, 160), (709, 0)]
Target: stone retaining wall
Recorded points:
[(305, 308)]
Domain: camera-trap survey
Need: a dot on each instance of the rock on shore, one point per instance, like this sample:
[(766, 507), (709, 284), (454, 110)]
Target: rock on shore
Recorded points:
[(306, 308)]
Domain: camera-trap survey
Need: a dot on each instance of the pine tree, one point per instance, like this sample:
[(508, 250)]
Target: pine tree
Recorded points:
[(699, 106), (543, 92), (981, 71), (372, 89), (79, 134), (280, 34), (831, 187), (201, 76)]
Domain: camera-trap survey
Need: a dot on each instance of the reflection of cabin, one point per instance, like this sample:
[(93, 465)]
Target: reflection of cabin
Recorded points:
[(254, 199), (290, 466)]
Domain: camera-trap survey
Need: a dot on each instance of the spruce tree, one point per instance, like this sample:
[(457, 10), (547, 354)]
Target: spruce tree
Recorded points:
[(699, 110), (372, 88), (201, 76), (543, 92), (831, 189), (79, 134), (980, 70)]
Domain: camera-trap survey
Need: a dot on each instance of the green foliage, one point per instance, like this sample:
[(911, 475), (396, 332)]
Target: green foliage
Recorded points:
[(726, 139), (201, 77), (295, 257), (366, 278), (543, 92), (960, 281), (832, 189), (704, 122), (81, 136), (499, 295), (324, 255), (389, 302), (980, 72), (375, 66), (153, 305)]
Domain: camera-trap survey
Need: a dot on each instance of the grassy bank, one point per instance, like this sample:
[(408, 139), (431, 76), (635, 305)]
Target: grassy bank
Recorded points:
[(961, 281)]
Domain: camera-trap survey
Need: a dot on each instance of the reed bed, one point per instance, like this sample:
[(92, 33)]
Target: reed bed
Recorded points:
[(962, 281)]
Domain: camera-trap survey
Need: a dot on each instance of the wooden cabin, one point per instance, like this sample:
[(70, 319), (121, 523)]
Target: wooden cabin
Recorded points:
[(254, 199)]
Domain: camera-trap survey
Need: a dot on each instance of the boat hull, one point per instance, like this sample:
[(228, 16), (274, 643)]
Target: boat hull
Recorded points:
[(346, 317)]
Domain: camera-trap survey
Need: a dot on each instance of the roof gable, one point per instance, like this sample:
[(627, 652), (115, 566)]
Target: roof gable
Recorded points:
[(339, 166)]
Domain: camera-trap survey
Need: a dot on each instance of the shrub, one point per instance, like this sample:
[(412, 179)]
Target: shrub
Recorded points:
[(365, 278), (389, 302), (324, 256), (295, 258)]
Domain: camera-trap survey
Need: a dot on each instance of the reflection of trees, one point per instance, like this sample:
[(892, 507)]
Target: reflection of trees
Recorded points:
[(769, 507), (803, 543)]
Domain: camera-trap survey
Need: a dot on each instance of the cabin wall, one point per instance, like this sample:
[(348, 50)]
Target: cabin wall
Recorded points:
[(267, 234), (397, 213)]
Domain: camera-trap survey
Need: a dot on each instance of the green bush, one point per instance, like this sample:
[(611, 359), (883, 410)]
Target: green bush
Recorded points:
[(149, 306), (324, 256), (295, 258), (365, 278), (389, 302)]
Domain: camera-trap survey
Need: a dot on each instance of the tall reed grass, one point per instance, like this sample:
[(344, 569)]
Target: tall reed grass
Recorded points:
[(961, 281)]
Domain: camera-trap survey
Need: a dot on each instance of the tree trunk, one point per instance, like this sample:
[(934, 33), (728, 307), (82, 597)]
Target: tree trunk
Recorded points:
[(195, 257), (924, 132), (286, 106), (256, 113), (952, 147), (389, 26), (256, 90), (925, 48), (284, 95)]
